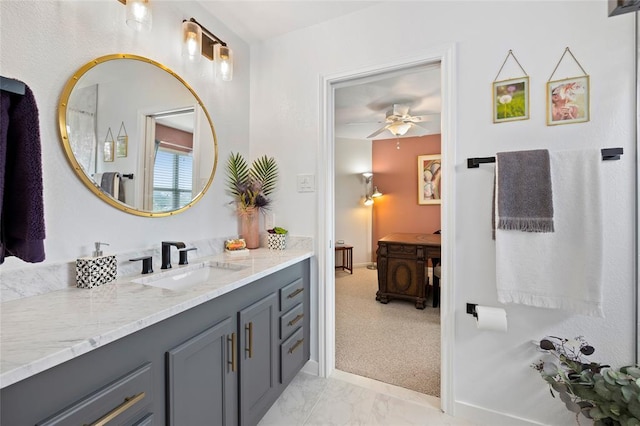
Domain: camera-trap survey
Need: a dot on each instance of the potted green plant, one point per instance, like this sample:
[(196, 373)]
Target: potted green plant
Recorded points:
[(251, 188), (277, 238), (606, 395)]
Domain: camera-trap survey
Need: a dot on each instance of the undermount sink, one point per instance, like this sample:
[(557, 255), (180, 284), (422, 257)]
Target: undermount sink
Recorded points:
[(189, 276)]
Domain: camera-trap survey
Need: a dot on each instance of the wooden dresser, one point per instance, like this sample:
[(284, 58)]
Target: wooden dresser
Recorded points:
[(402, 261)]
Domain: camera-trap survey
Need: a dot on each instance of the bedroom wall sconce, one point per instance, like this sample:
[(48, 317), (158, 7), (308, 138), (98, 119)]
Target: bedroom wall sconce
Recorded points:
[(138, 14), (197, 40), (368, 200)]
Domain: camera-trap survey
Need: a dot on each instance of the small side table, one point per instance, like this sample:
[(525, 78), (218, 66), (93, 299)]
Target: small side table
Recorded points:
[(347, 257)]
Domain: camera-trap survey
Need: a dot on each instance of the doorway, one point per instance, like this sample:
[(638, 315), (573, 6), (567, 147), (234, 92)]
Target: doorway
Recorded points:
[(375, 176), (326, 202)]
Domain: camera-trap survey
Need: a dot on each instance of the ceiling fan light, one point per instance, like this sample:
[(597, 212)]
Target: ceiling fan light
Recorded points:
[(399, 129)]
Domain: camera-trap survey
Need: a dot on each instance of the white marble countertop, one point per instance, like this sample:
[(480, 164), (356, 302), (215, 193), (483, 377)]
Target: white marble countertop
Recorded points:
[(40, 332)]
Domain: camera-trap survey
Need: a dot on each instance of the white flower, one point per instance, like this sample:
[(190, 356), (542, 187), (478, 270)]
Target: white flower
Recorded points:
[(505, 99)]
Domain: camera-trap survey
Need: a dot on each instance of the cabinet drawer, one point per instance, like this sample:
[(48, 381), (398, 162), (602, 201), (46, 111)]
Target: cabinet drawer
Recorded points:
[(292, 355), (125, 401), (291, 295), (146, 421), (290, 321)]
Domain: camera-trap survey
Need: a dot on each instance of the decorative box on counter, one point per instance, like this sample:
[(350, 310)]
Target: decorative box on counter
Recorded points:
[(277, 241), (96, 270)]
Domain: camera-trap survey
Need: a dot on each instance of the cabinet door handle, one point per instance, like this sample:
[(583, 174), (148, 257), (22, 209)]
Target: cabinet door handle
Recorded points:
[(128, 403), (295, 293), (296, 346), (249, 328), (232, 340), (295, 320)]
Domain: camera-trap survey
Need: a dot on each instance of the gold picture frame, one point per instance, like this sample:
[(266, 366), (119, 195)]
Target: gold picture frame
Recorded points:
[(122, 141), (108, 147), (511, 100), (429, 182), (121, 146), (568, 101)]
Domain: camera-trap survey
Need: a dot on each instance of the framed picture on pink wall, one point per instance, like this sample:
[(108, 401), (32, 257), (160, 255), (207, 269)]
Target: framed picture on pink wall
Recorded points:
[(429, 169)]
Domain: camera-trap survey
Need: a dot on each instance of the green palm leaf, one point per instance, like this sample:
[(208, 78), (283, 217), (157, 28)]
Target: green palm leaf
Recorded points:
[(265, 171), (251, 186), (237, 173)]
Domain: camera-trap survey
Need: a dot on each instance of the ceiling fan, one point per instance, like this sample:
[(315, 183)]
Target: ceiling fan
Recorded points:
[(398, 121)]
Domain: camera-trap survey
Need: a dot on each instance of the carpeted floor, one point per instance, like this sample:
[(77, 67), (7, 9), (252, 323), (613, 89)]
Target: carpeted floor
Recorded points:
[(393, 343)]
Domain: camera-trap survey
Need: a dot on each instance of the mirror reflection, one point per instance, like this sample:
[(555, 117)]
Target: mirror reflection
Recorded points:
[(137, 135)]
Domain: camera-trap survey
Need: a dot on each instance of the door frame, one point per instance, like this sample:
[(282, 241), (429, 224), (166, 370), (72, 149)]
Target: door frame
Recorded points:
[(445, 55)]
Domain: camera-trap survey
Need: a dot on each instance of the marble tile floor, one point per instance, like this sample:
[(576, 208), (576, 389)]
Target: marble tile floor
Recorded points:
[(347, 399)]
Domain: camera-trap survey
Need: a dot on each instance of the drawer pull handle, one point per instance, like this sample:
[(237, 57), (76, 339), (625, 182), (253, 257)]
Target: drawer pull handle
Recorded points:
[(295, 293), (296, 346), (128, 403), (249, 328), (295, 320), (232, 339)]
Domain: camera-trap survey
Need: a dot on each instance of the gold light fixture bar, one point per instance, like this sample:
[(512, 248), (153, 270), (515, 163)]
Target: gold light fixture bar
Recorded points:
[(209, 39)]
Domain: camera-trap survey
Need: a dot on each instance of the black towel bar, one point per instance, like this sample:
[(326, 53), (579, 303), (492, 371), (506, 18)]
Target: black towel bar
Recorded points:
[(130, 175), (607, 154)]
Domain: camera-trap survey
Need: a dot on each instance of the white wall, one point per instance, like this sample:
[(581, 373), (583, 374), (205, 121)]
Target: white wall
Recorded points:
[(491, 370), (44, 43), (353, 218)]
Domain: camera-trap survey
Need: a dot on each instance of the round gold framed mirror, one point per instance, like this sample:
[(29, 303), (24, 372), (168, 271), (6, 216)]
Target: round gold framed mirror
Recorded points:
[(137, 135)]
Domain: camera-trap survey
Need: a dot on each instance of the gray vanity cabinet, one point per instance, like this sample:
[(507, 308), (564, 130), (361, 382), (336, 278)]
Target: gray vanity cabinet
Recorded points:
[(127, 401), (258, 358), (202, 378), (184, 364)]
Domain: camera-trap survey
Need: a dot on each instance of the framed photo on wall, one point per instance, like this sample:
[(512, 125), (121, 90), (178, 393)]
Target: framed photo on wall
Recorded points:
[(511, 100), (568, 101), (429, 170), (108, 151), (122, 141), (121, 146), (108, 147)]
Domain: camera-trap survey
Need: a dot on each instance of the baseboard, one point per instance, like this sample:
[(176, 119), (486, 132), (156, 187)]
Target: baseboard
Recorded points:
[(311, 367), (483, 416)]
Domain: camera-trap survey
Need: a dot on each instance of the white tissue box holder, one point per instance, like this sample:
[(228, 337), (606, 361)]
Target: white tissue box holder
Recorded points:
[(94, 271), (277, 241)]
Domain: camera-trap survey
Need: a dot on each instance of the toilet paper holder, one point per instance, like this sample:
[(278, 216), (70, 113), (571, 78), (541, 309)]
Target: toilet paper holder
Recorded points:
[(471, 309)]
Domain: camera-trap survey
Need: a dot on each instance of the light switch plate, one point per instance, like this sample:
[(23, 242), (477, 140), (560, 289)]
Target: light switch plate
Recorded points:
[(306, 183)]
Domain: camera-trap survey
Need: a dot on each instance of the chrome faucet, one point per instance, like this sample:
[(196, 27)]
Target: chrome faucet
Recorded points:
[(166, 252)]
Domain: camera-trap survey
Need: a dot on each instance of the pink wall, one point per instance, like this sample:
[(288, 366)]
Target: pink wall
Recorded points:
[(395, 173), (177, 139)]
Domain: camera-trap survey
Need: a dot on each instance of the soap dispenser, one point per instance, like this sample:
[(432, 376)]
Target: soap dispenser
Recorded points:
[(97, 269)]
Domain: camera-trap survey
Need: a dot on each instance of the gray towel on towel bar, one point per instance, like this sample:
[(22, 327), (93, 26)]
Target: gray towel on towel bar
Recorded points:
[(523, 193), (108, 182), (112, 184)]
